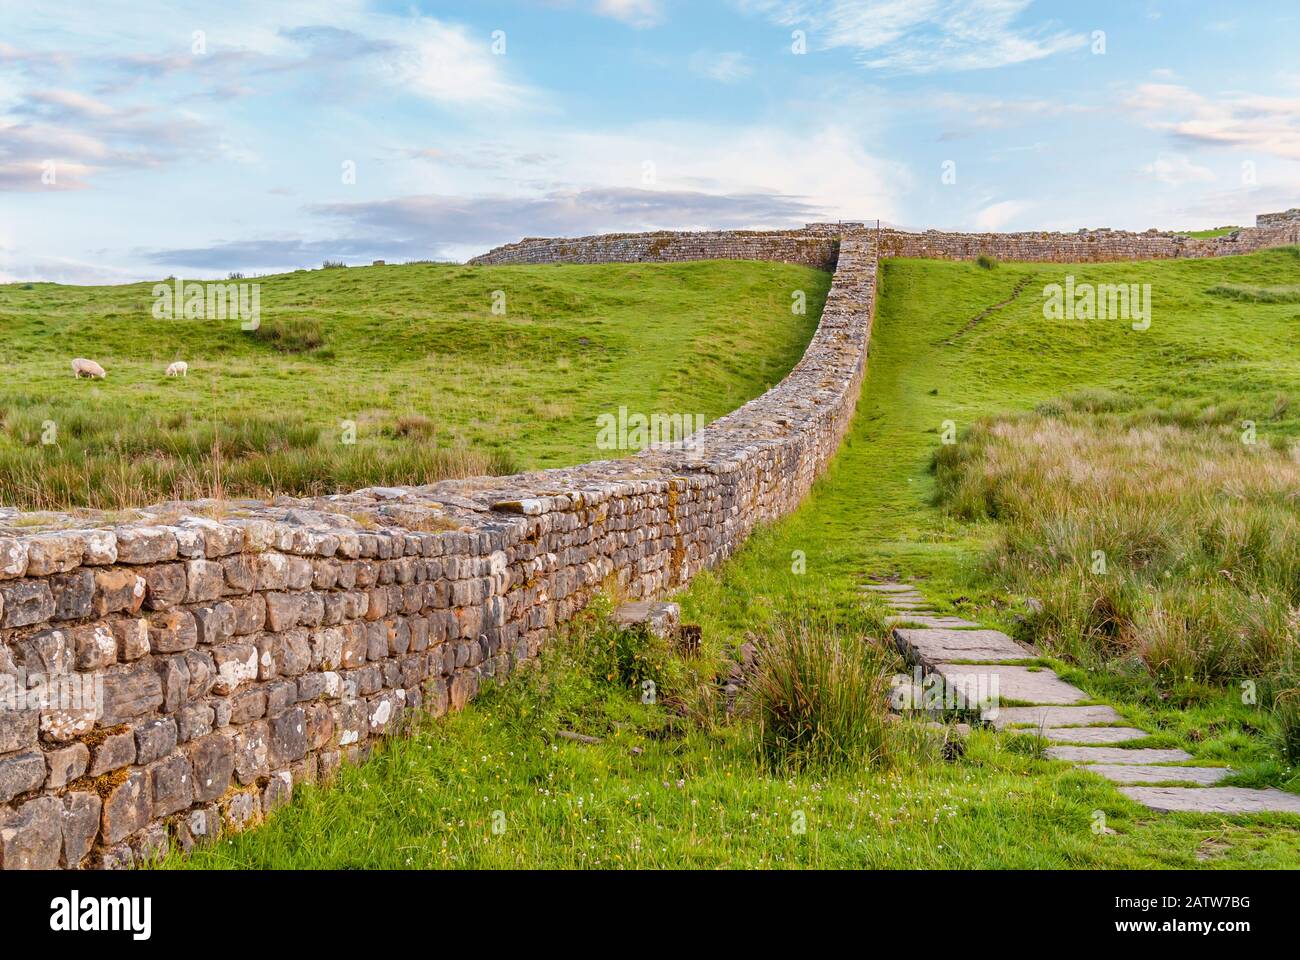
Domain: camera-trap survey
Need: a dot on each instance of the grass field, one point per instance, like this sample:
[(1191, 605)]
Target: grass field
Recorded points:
[(667, 790), (435, 382)]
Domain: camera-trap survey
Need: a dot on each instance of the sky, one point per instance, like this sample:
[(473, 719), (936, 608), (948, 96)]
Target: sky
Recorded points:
[(140, 140)]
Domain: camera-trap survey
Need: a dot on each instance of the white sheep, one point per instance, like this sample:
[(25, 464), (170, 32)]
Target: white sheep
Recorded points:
[(179, 369), (81, 367)]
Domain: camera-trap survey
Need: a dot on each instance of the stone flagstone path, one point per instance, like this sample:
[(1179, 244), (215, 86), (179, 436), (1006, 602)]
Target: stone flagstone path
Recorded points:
[(1089, 735)]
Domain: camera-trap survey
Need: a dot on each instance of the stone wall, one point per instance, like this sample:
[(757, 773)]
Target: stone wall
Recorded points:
[(813, 246), (207, 658), (1283, 219), (1087, 246)]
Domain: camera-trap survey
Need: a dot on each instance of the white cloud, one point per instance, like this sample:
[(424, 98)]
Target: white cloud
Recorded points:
[(443, 62), (922, 36), (1246, 122), (997, 215), (1176, 170), (638, 13), (727, 67)]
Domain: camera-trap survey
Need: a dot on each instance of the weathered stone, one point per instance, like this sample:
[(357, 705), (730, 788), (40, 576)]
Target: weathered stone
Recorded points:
[(216, 623), (278, 791), (138, 545), (127, 807), (173, 787), (66, 764), (194, 720), (213, 761), (21, 773), (247, 705), (173, 673), (1090, 735), (48, 653), (252, 752), (25, 602), (13, 558), (112, 752), (288, 737), (154, 739), (976, 682), (130, 692), (95, 646), (17, 729), (164, 586), (132, 639), (1147, 773), (207, 581), (1115, 755), (118, 590), (49, 553), (283, 610), (1221, 800), (236, 664), (81, 815), (74, 594), (31, 837), (173, 632), (1051, 716), (250, 614)]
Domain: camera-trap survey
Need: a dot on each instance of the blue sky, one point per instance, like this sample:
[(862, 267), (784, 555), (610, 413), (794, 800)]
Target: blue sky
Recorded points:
[(140, 139)]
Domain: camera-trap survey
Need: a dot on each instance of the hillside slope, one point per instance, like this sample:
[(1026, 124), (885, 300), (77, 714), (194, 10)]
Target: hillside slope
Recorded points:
[(434, 381)]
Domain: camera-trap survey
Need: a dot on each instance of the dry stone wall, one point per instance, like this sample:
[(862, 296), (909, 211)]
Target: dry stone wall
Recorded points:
[(1087, 246), (177, 675), (812, 246)]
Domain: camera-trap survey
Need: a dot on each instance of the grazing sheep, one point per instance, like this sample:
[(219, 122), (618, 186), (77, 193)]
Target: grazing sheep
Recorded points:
[(81, 367), (179, 369)]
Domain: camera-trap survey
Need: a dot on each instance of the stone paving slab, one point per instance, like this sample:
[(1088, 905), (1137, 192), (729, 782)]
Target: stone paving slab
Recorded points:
[(1052, 716), (1088, 734), (930, 620), (889, 587), (976, 681), (931, 647), (1214, 799), (1116, 755), (1142, 773)]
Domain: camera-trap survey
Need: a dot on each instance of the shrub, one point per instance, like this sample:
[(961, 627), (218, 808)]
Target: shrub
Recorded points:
[(333, 265), (292, 335), (986, 262), (820, 697)]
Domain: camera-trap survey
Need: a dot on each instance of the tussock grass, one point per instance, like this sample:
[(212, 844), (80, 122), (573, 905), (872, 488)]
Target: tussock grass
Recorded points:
[(820, 698), (1143, 535)]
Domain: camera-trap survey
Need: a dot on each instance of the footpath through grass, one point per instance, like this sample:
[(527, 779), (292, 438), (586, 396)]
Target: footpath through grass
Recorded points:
[(410, 361), (667, 790)]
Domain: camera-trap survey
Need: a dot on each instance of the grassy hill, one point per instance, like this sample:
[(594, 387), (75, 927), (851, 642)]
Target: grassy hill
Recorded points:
[(436, 383), (674, 787)]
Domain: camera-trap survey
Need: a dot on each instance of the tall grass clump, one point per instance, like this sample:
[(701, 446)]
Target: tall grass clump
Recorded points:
[(292, 334), (820, 697), (1155, 536)]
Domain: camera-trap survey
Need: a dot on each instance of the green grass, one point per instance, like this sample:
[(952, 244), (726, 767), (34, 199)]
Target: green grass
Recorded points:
[(663, 790), (1209, 234), (381, 348)]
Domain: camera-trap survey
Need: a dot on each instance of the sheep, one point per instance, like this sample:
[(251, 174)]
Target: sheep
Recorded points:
[(81, 367), (179, 369)]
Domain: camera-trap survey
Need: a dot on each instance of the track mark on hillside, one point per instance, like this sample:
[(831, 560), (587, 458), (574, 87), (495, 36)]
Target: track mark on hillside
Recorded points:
[(987, 311)]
